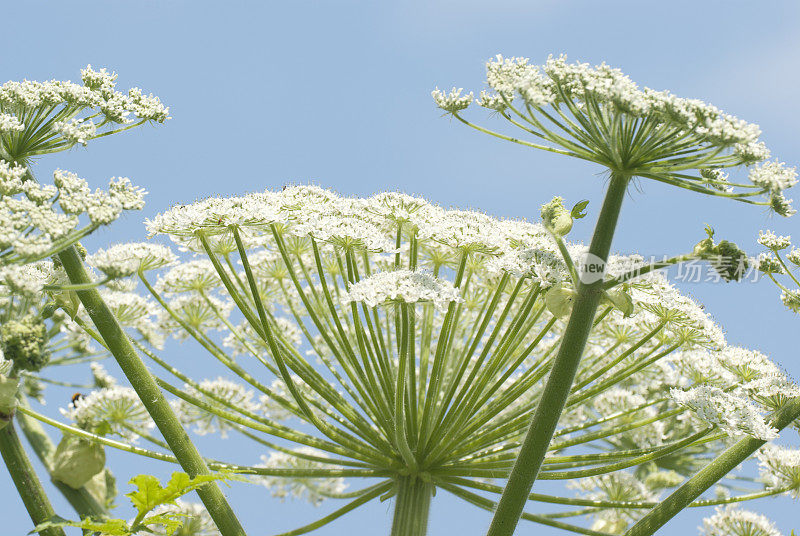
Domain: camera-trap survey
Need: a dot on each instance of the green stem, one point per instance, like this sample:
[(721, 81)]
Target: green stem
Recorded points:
[(412, 507), (710, 475), (28, 485), (150, 395), (562, 375)]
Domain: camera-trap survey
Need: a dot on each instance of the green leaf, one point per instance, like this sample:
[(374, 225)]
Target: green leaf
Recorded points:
[(108, 527), (577, 211), (170, 522), (620, 300), (558, 301), (150, 493)]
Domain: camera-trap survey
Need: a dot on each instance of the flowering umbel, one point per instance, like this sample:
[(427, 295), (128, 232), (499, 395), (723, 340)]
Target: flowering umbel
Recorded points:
[(39, 118), (599, 114), (389, 338)]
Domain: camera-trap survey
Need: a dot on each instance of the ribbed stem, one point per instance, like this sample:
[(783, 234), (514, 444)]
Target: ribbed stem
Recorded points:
[(710, 475), (150, 395), (28, 485), (412, 506), (565, 365)]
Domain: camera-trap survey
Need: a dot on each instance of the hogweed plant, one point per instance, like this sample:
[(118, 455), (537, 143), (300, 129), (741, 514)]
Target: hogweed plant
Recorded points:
[(39, 118), (598, 114), (392, 341)]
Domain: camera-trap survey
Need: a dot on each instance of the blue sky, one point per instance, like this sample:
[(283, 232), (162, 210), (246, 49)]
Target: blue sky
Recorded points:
[(265, 93)]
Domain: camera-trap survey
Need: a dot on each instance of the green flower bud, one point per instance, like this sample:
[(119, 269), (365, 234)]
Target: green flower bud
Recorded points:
[(559, 300), (731, 262), (556, 217), (704, 248), (76, 461), (25, 343)]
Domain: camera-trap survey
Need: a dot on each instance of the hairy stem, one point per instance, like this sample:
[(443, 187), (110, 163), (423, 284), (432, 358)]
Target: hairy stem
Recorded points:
[(412, 507), (562, 375), (710, 475), (28, 485), (150, 395)]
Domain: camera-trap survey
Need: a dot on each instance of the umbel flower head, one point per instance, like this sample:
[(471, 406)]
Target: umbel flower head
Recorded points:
[(599, 114), (389, 338), (781, 266), (733, 521), (46, 117), (39, 220)]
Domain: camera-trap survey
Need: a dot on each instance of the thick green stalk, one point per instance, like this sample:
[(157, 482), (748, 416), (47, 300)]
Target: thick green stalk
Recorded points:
[(412, 507), (28, 485), (710, 475), (150, 395), (562, 375), (80, 499)]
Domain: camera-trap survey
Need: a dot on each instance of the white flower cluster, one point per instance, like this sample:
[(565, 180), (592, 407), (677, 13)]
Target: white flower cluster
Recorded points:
[(779, 468), (772, 264), (27, 280), (517, 247), (11, 176), (403, 286), (734, 415), (582, 111), (202, 313), (770, 240), (9, 123), (619, 486), (453, 101), (558, 81), (101, 376), (122, 260), (113, 409), (193, 516), (33, 226), (314, 253), (98, 91), (206, 422), (733, 521), (314, 490), (194, 275), (76, 130), (773, 176)]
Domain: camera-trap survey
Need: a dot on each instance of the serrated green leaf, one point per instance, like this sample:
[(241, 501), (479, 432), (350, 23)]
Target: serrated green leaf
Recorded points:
[(170, 522), (577, 211), (151, 494), (107, 527)]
